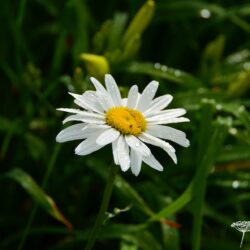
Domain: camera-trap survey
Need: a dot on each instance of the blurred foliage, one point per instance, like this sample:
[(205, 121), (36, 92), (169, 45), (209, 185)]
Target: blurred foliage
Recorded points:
[(200, 53)]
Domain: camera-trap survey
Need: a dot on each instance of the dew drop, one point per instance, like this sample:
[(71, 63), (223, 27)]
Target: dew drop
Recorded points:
[(233, 131), (177, 73), (137, 144), (205, 13), (119, 184), (164, 68), (246, 65), (157, 65), (241, 109), (218, 107), (235, 184), (201, 90)]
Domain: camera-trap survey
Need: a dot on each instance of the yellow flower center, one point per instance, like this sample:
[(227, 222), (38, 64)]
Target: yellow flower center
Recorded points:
[(127, 121)]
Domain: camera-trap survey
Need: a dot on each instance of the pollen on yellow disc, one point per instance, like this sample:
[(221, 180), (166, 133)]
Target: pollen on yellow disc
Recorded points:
[(127, 121)]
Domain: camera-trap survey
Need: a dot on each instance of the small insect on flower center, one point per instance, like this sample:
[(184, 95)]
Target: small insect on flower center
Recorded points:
[(127, 121)]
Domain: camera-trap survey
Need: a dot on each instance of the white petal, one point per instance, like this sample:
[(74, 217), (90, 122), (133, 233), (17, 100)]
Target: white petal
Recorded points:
[(164, 116), (124, 101), (91, 118), (82, 113), (159, 103), (123, 154), (152, 162), (147, 96), (105, 100), (71, 133), (88, 101), (169, 120), (113, 90), (88, 146), (78, 100), (98, 85), (107, 136), (168, 133), (137, 145), (168, 113), (132, 97), (159, 143), (102, 94), (115, 151), (136, 160), (93, 129), (74, 111)]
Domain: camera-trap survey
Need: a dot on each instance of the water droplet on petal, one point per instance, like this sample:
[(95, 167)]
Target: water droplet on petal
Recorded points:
[(205, 13), (137, 144)]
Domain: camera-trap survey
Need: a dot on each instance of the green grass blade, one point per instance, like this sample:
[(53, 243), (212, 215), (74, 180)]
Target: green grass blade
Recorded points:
[(162, 71), (37, 194), (204, 167), (174, 207)]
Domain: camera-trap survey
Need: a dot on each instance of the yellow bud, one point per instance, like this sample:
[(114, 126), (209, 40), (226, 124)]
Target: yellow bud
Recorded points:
[(96, 65), (239, 85)]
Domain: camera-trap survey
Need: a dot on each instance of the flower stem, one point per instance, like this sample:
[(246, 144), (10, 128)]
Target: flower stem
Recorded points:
[(242, 238), (104, 205)]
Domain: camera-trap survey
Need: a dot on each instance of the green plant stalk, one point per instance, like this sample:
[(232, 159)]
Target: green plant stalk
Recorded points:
[(45, 180), (21, 13), (204, 161), (6, 143), (200, 181), (103, 208)]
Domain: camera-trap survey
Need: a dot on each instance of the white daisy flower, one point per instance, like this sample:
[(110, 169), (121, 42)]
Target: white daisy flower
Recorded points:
[(129, 124)]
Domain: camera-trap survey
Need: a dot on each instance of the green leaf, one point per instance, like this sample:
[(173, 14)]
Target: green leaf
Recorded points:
[(133, 234), (125, 245), (147, 241), (115, 33), (207, 160), (35, 145), (127, 190), (131, 48), (37, 194), (186, 9), (140, 21), (101, 38), (174, 207), (162, 71), (124, 189), (240, 84), (211, 61), (82, 21), (234, 153)]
